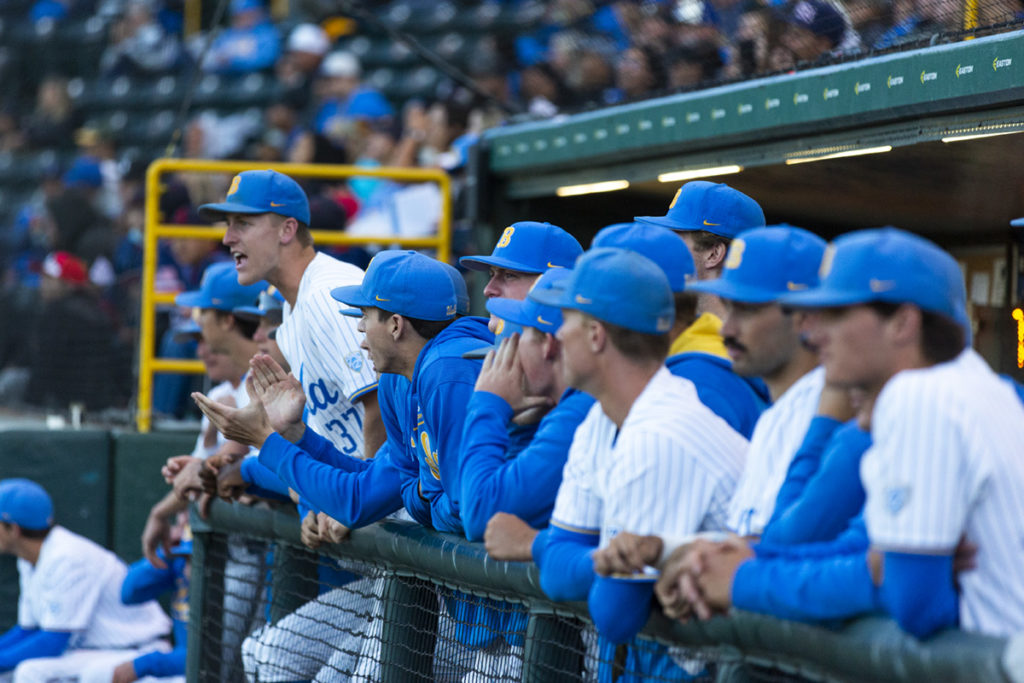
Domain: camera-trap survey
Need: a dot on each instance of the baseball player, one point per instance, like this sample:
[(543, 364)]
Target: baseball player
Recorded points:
[(268, 234), (707, 216), (648, 438), (70, 614), (697, 347), (525, 250), (943, 464)]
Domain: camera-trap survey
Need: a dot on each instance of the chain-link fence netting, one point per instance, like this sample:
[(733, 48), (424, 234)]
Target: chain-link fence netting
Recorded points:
[(273, 612)]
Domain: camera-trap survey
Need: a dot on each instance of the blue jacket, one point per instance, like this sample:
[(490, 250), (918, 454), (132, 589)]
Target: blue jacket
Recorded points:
[(728, 395), (359, 492), (524, 485), (145, 582)]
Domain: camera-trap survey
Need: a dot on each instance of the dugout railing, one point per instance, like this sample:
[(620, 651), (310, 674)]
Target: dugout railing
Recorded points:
[(417, 563), (157, 229)]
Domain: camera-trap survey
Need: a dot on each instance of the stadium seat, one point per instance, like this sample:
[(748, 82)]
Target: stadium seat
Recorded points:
[(84, 43), (167, 91), (419, 83)]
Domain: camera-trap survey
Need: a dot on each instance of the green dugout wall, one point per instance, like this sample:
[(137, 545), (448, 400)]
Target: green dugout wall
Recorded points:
[(908, 101), (102, 483)]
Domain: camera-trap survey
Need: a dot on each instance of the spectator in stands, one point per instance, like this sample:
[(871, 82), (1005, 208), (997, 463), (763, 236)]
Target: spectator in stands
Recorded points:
[(639, 73), (73, 325), (814, 29), (296, 69), (693, 65), (139, 46), (871, 19), (542, 90), (344, 100), (919, 20), (251, 43), (53, 120), (99, 143), (69, 612)]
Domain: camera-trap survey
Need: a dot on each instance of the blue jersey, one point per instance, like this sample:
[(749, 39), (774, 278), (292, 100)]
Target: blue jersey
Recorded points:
[(728, 395), (145, 582), (442, 384), (525, 485)]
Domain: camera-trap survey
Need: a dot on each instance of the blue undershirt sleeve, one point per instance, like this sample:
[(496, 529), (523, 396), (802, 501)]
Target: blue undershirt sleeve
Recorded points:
[(354, 499), (13, 636), (814, 589), (161, 664), (822, 491), (36, 643), (262, 482), (918, 592), (145, 582), (566, 564)]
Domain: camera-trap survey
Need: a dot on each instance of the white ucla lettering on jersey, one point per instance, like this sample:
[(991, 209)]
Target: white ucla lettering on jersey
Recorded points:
[(322, 347), (777, 435), (946, 462)]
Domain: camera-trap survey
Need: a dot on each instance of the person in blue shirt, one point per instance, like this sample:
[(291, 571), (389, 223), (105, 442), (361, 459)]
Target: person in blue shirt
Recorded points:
[(526, 485), (250, 43), (146, 582)]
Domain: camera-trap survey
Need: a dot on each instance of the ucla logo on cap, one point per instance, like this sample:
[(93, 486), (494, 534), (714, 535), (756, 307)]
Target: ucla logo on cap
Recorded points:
[(506, 237), (735, 256), (450, 310), (826, 260), (675, 199), (663, 324), (234, 185)]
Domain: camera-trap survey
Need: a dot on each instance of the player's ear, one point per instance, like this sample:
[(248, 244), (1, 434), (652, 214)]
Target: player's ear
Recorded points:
[(551, 348), (397, 326), (714, 256), (287, 230), (597, 335), (904, 326)]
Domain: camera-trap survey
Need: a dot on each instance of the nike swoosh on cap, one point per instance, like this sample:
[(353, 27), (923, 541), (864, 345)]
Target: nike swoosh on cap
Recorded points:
[(552, 265), (275, 204), (583, 300), (795, 286), (881, 285), (707, 222), (379, 299), (543, 321)]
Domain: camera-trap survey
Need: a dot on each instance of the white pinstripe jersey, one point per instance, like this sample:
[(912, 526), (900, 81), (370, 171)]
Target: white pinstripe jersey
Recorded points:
[(75, 586), (946, 460), (322, 347), (777, 435), (671, 470), (218, 394)]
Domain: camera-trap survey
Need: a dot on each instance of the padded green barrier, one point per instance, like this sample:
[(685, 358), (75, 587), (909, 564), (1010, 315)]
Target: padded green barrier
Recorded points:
[(74, 466), (138, 484)]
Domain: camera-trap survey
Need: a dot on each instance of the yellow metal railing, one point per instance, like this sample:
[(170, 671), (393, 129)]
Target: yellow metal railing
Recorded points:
[(149, 364)]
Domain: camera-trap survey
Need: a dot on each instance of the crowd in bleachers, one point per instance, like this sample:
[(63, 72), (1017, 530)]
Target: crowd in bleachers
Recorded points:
[(99, 88)]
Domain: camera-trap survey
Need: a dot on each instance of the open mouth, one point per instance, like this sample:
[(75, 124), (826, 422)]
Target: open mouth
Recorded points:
[(240, 259)]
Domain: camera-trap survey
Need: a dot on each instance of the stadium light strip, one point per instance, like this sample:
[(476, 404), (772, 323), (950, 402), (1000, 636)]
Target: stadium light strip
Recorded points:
[(840, 155), (591, 188), (676, 176), (976, 136)]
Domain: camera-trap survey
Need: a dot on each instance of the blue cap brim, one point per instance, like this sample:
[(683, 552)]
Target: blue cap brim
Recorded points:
[(485, 262), (824, 297), (557, 298), (192, 300), (510, 310), (352, 312), (1017, 222), (352, 295), (665, 222), (734, 291), (214, 211)]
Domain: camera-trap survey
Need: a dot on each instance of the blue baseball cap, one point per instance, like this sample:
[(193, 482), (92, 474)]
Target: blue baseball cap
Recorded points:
[(403, 282), (617, 286), (269, 304), (189, 331), (219, 289), (1017, 222), (461, 290), (25, 503), (531, 312), (84, 172), (711, 207), (765, 263), (658, 244), (256, 192), (529, 247), (892, 266)]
